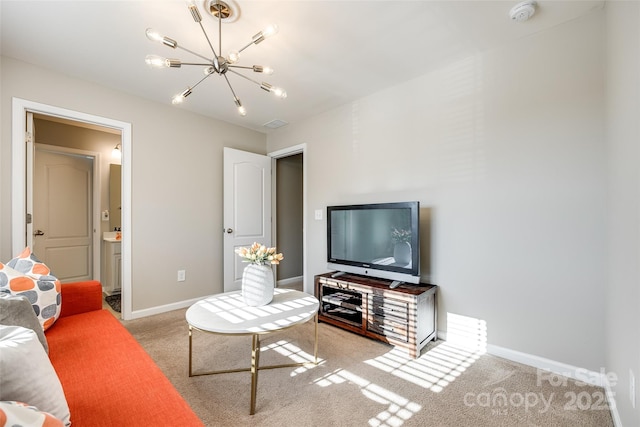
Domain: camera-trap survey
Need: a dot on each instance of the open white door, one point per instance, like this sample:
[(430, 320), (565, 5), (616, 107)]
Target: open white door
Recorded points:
[(30, 138), (247, 208)]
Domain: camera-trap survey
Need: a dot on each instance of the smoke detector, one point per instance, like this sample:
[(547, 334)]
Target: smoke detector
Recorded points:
[(523, 11)]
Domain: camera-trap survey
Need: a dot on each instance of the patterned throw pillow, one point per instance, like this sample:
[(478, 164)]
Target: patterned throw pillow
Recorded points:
[(27, 276), (20, 414), (28, 375)]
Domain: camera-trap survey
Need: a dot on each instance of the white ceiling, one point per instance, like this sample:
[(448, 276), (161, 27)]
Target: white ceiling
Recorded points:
[(327, 53)]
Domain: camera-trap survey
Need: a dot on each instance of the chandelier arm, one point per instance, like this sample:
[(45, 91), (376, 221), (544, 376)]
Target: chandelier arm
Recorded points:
[(200, 81), (215, 55), (230, 87), (245, 77), (196, 54), (219, 27), (207, 64), (246, 46), (240, 66)]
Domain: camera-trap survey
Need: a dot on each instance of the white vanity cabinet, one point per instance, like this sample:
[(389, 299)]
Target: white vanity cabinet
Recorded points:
[(111, 265)]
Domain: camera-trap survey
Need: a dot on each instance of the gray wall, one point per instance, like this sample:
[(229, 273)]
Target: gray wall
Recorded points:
[(507, 150), (289, 215)]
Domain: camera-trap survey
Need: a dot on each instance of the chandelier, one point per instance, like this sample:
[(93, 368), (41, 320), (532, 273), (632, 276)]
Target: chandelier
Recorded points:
[(215, 64)]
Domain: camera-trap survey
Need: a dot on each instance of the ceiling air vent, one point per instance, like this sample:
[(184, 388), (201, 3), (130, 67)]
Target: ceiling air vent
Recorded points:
[(275, 124)]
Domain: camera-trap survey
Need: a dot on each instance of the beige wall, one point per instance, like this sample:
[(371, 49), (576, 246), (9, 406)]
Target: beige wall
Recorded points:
[(176, 180), (507, 150), (622, 340)]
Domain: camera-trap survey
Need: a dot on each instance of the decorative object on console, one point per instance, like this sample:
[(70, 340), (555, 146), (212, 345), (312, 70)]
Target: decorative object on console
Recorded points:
[(217, 64), (257, 277)]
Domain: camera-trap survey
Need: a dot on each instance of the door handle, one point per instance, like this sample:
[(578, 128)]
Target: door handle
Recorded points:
[(228, 230), (38, 233)]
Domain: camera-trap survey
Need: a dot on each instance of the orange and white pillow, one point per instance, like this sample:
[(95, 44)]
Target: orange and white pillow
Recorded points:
[(27, 276), (20, 414)]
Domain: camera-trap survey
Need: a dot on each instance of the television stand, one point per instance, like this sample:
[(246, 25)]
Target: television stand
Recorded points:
[(405, 316)]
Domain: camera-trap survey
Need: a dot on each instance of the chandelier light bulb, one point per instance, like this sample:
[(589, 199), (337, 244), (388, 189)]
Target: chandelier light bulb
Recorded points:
[(263, 69), (234, 56), (270, 31), (156, 61), (266, 33), (241, 110), (153, 35), (209, 70), (279, 92), (179, 98)]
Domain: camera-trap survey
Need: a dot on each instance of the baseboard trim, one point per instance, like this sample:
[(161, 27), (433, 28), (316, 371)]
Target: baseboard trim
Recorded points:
[(286, 282), (163, 308), (598, 379)]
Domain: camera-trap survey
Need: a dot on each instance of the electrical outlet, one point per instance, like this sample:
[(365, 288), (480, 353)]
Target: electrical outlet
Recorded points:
[(182, 275), (632, 388)]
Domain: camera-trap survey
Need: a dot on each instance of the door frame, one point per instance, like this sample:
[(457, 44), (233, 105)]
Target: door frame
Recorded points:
[(279, 154), (95, 198), (19, 109)]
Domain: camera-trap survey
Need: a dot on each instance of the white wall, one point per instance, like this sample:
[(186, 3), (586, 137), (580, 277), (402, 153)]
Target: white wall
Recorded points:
[(176, 180), (623, 137), (507, 150)]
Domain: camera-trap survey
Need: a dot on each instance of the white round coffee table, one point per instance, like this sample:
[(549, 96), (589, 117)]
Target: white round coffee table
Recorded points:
[(228, 314)]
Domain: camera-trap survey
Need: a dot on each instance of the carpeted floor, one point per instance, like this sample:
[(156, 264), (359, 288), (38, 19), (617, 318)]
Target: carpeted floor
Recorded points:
[(361, 382)]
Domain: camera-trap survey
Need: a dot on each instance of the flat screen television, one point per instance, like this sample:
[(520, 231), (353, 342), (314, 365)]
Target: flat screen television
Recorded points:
[(379, 240)]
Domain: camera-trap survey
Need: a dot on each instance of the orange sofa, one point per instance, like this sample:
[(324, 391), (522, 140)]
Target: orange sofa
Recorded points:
[(107, 377)]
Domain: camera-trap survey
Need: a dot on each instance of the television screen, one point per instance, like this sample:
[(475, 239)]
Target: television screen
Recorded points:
[(379, 240)]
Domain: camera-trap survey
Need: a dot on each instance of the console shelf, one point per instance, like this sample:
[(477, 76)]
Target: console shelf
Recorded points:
[(405, 317)]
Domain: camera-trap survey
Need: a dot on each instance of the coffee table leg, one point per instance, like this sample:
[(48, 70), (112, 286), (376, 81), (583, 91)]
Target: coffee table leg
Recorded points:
[(190, 348), (255, 363)]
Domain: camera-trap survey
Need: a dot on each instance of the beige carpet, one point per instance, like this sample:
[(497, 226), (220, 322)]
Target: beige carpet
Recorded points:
[(361, 382)]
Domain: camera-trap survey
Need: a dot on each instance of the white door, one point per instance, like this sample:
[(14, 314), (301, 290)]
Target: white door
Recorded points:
[(30, 138), (247, 208), (62, 214)]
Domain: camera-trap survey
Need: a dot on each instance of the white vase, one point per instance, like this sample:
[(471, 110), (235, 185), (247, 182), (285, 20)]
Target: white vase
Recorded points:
[(257, 285), (402, 253)]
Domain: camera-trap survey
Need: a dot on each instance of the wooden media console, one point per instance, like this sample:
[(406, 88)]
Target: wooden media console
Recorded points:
[(405, 317)]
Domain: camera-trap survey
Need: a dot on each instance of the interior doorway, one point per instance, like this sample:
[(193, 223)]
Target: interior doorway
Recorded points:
[(289, 211), (22, 160), (289, 220)]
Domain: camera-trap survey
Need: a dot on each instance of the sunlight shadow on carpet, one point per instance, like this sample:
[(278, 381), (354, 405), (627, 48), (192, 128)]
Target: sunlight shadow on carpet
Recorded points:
[(434, 370), (438, 366)]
